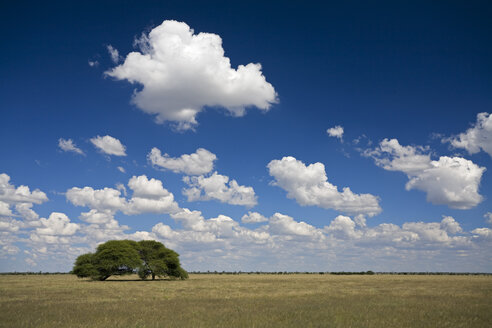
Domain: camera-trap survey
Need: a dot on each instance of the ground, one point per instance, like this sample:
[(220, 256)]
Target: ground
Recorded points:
[(247, 301)]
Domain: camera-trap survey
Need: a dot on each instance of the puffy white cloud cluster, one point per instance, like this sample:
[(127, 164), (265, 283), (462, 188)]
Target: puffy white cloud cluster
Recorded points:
[(69, 145), (57, 224), (280, 224), (198, 163), (309, 185), (219, 187), (336, 132), (109, 145), (451, 181), (181, 72), (149, 196), (476, 138), (20, 198), (483, 233), (222, 240), (253, 217), (279, 242), (201, 185), (22, 194), (213, 235), (410, 234)]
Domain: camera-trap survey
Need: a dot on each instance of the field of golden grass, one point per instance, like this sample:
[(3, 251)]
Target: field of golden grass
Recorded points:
[(247, 301)]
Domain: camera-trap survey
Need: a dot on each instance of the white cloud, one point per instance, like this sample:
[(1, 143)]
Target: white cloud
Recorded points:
[(308, 185), (182, 72), (121, 187), (147, 188), (58, 224), (93, 63), (343, 227), (336, 132), (280, 224), (98, 199), (197, 163), (212, 235), (109, 145), (114, 54), (5, 209), (68, 145), (476, 138), (220, 188), (410, 234), (483, 233), (488, 216), (97, 217), (149, 196), (10, 225), (253, 217), (26, 212), (451, 181), (450, 225), (392, 156), (121, 169), (279, 243), (21, 194), (20, 198)]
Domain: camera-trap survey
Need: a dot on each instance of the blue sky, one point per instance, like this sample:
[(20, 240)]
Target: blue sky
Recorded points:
[(309, 137)]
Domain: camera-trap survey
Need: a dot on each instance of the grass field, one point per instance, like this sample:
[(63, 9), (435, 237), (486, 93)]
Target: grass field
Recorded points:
[(247, 301)]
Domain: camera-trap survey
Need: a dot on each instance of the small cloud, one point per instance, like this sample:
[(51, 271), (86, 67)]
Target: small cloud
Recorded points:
[(360, 138), (219, 187), (197, 163), (253, 217), (451, 181), (488, 216), (109, 145), (94, 63), (69, 145), (115, 56), (477, 138), (336, 132), (121, 187), (121, 169)]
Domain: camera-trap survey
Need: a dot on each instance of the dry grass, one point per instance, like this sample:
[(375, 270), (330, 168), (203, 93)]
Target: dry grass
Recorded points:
[(248, 301)]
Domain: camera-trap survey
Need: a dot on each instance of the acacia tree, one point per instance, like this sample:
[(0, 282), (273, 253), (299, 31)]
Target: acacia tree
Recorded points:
[(84, 266), (118, 257), (157, 260)]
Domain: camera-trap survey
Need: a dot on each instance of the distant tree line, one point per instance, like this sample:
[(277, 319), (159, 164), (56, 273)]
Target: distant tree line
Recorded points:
[(147, 258), (29, 273), (343, 273)]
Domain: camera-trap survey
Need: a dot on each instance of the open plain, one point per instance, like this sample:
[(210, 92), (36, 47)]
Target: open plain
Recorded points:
[(247, 300)]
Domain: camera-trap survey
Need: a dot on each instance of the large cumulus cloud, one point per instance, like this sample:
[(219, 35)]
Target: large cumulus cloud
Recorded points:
[(181, 72), (451, 181)]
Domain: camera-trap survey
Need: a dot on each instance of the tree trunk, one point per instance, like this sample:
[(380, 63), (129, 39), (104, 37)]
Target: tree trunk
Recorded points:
[(153, 276)]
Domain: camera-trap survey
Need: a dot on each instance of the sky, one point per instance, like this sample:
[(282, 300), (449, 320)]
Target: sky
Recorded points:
[(253, 136)]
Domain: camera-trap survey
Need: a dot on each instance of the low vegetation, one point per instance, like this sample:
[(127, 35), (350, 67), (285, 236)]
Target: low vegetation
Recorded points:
[(247, 300)]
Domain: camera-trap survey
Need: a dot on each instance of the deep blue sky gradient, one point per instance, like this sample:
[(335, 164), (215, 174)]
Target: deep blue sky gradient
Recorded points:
[(404, 69)]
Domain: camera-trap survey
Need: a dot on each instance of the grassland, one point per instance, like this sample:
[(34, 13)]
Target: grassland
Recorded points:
[(248, 301)]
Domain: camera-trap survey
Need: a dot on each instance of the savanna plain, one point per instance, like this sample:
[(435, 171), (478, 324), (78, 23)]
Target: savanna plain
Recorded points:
[(247, 300)]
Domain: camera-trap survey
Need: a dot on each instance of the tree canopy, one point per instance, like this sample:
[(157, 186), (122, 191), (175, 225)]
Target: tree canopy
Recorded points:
[(119, 257)]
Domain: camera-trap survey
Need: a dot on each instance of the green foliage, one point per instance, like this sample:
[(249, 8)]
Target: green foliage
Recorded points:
[(159, 261), (119, 257), (84, 266), (116, 257)]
